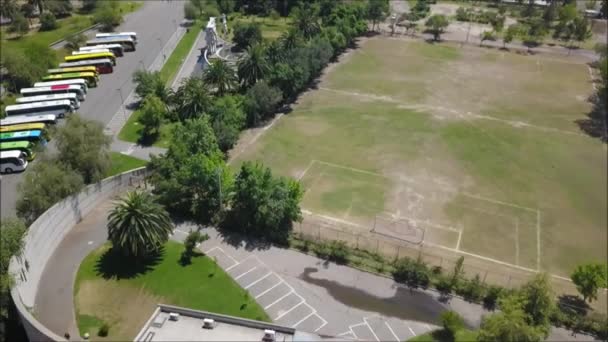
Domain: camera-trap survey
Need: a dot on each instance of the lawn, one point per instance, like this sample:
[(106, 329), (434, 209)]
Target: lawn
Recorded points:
[(122, 163), (474, 141), (271, 28), (123, 295)]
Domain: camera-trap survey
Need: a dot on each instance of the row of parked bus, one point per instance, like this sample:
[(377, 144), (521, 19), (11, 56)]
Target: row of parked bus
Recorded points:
[(60, 93)]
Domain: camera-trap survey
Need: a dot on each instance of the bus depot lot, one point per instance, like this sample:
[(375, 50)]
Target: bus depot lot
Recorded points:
[(291, 301)]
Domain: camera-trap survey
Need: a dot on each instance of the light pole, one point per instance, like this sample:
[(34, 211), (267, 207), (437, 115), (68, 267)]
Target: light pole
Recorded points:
[(141, 62), (122, 104), (219, 185), (160, 43)]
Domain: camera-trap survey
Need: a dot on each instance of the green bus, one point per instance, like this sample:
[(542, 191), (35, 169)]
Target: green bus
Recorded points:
[(23, 146)]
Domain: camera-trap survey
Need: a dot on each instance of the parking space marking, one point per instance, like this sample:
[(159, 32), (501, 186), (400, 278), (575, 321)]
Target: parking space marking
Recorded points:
[(372, 330), (267, 290), (288, 311), (392, 332), (303, 319), (238, 263), (242, 274), (216, 248), (411, 330), (278, 300), (257, 281), (321, 318)]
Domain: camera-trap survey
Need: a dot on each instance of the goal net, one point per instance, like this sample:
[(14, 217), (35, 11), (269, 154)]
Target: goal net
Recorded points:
[(398, 228)]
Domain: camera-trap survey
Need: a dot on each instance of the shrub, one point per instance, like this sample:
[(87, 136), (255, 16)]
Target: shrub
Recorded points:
[(491, 297), (322, 250), (412, 273), (451, 322), (338, 252), (190, 12), (103, 330), (48, 21), (246, 34), (444, 286), (473, 290)]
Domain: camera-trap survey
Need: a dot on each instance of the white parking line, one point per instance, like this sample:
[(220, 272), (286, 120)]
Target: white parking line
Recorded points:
[(303, 319), (392, 332), (372, 330), (257, 281), (322, 325), (238, 263), (278, 300), (251, 270), (412, 331), (263, 293), (288, 311), (428, 327)]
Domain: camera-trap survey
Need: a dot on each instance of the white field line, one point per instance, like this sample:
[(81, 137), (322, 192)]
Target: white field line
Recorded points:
[(592, 78), (392, 332), (467, 114), (268, 290), (349, 168), (538, 240), (257, 281), (242, 274), (459, 239), (303, 319), (516, 241), (288, 311), (255, 138), (306, 170)]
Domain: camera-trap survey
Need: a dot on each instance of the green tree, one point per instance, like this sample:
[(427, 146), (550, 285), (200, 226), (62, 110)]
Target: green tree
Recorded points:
[(486, 35), (9, 8), (84, 147), (305, 18), (11, 244), (194, 238), (225, 6), (452, 323), (89, 5), (263, 205), (137, 225), (227, 118), (108, 15), (60, 8), (220, 76), (152, 113), (150, 83), (377, 10), (190, 11), (589, 278), (19, 25), (246, 34), (25, 66), (290, 39), (38, 3), (509, 325), (45, 183), (261, 102), (581, 29), (75, 41), (437, 24), (458, 272), (413, 273), (191, 99), (48, 22), (254, 66), (538, 301), (509, 35)]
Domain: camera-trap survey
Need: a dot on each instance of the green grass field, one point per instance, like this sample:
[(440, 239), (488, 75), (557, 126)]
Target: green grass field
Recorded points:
[(271, 28), (122, 163), (126, 301), (478, 146)]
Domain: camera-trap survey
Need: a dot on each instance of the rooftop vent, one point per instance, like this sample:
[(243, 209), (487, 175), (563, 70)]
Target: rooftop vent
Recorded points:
[(269, 335), (208, 323), (173, 316)]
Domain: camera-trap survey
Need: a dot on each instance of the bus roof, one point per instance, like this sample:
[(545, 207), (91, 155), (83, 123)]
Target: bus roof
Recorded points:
[(78, 53), (86, 62), (22, 134), (116, 34), (9, 145), (106, 40), (89, 68), (11, 154), (81, 81), (101, 46), (22, 127), (49, 97), (25, 119), (40, 104), (89, 56), (69, 74), (55, 87)]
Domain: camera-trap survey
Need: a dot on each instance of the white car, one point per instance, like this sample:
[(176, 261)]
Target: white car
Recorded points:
[(11, 161)]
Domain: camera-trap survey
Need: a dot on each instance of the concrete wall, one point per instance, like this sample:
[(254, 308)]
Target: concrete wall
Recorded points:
[(45, 234)]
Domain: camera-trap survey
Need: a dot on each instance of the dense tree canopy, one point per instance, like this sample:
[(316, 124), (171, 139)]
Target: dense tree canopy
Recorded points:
[(191, 99), (220, 76), (227, 119), (254, 66), (247, 34), (150, 83), (437, 24), (261, 102), (589, 278)]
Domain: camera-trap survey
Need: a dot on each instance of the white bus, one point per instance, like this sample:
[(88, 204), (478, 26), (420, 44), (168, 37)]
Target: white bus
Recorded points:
[(52, 97), (127, 43), (74, 53), (49, 119), (117, 49), (60, 106), (12, 160), (132, 35), (76, 81), (58, 89)]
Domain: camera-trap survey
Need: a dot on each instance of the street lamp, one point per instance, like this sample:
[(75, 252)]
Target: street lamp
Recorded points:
[(122, 104), (141, 62)]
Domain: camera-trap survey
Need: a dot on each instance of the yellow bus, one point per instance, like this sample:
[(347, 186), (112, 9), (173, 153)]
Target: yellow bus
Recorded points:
[(98, 55), (89, 77), (92, 69)]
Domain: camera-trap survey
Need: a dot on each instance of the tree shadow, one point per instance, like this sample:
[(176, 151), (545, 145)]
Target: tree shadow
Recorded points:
[(147, 140), (239, 240), (115, 265), (595, 125), (186, 257), (573, 305)]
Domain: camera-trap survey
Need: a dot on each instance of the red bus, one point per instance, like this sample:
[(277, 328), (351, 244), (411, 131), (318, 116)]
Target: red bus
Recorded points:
[(103, 65)]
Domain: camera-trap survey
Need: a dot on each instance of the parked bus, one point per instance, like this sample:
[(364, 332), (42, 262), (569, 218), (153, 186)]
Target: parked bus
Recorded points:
[(49, 119), (77, 81), (78, 53), (35, 137), (89, 77), (60, 106), (95, 55), (127, 43), (27, 127), (102, 65), (90, 68), (12, 160), (56, 89), (23, 146), (132, 35), (116, 49), (53, 97)]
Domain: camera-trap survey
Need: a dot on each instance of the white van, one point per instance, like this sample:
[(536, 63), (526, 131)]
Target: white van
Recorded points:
[(12, 160)]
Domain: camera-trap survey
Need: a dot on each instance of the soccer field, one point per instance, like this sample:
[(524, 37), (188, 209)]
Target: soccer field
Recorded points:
[(477, 147)]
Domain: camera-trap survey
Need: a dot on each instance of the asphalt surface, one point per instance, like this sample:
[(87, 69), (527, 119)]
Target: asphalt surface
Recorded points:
[(155, 22)]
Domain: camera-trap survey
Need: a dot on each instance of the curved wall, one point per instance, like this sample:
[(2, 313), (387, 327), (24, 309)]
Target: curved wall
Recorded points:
[(45, 234)]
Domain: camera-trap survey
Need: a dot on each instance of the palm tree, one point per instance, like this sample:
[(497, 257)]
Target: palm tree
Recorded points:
[(9, 8), (254, 66), (221, 76), (191, 99), (290, 39), (137, 225), (306, 19)]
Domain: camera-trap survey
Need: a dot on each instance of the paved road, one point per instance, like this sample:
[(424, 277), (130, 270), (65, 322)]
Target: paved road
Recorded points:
[(156, 23)]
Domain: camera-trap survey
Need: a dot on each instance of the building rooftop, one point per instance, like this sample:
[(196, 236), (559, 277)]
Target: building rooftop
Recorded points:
[(189, 327)]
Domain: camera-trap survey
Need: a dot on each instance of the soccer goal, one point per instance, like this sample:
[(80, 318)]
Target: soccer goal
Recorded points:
[(398, 228)]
